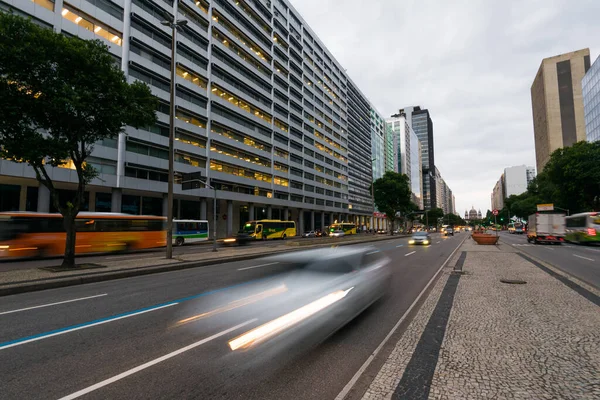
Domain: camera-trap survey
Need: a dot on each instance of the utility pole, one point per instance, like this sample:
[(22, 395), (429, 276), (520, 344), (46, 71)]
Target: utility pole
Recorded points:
[(174, 25)]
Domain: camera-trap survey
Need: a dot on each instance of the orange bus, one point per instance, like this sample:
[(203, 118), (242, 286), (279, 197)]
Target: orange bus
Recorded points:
[(31, 234)]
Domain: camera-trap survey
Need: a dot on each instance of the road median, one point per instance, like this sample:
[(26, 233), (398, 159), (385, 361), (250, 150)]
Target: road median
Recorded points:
[(22, 281)]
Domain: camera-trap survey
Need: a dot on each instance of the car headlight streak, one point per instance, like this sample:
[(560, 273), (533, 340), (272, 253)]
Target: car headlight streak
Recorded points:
[(278, 325)]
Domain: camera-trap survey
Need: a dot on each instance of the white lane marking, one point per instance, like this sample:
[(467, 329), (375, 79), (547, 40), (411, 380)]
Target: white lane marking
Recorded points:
[(373, 252), (153, 362), (438, 241), (257, 266), (585, 258), (369, 360), (548, 248), (34, 339), (52, 304), (408, 254), (400, 245)]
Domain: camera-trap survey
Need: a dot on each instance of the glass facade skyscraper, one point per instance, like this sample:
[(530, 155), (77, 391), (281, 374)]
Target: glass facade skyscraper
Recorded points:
[(590, 86)]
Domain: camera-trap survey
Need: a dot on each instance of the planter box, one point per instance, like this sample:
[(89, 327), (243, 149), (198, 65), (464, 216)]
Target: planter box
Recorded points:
[(485, 238)]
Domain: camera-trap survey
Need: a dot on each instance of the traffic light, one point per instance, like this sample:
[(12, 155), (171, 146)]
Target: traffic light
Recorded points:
[(501, 218)]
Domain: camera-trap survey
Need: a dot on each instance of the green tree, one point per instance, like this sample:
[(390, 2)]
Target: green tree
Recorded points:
[(573, 177), (434, 215), (61, 95), (392, 195)]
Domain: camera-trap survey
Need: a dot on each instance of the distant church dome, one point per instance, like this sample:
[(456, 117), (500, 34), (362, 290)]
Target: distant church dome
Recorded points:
[(472, 214)]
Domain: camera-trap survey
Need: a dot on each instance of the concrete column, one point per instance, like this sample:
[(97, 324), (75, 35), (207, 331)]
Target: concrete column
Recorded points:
[(250, 211), (331, 218), (269, 212), (229, 217), (23, 198), (178, 216), (203, 212), (301, 221), (92, 201), (286, 214), (115, 200), (322, 221), (312, 220), (43, 204)]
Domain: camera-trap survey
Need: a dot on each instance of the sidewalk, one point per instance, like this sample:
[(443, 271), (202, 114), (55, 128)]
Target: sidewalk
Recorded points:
[(25, 280), (476, 337)]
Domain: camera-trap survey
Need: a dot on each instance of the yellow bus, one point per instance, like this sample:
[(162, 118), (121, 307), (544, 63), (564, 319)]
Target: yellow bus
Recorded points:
[(269, 229), (348, 228), (31, 234)]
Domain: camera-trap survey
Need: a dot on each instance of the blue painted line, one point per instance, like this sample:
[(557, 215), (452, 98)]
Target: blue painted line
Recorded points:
[(113, 317)]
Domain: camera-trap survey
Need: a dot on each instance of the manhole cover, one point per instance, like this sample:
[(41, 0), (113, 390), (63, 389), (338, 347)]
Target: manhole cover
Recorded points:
[(513, 281)]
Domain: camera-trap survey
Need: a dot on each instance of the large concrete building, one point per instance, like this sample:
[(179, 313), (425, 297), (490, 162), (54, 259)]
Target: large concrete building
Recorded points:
[(420, 121), (407, 154), (513, 181), (557, 103), (263, 110), (590, 86)]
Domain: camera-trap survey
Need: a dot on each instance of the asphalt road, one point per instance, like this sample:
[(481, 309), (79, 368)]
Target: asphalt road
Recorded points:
[(125, 339), (583, 262)]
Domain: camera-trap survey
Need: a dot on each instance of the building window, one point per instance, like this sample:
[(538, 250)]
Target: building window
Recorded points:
[(87, 22), (239, 171), (231, 134), (190, 76), (241, 155), (190, 119), (241, 104), (190, 139), (281, 181), (47, 4)]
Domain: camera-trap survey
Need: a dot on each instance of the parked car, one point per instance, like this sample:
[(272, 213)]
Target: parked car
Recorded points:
[(381, 231), (338, 233), (319, 233), (309, 234), (420, 238), (449, 232)]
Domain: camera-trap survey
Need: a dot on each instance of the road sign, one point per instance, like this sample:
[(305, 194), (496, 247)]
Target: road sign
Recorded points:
[(495, 212), (545, 207)]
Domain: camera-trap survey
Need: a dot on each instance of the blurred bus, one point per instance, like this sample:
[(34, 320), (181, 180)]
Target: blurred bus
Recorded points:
[(30, 234), (269, 229), (346, 227), (189, 231), (583, 228)]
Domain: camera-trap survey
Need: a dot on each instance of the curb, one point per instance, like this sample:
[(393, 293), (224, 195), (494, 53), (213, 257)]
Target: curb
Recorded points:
[(58, 282)]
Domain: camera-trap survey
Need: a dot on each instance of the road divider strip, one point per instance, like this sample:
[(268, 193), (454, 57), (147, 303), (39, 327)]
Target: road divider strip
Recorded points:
[(408, 254), (52, 304), (149, 364)]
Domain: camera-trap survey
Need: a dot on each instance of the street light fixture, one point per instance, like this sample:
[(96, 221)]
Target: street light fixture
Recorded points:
[(174, 25)]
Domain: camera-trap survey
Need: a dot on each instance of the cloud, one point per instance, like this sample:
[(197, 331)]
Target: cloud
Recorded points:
[(470, 62)]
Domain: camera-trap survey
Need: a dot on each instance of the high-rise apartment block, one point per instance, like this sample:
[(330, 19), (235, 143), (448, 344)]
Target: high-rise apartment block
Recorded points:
[(407, 155), (557, 103), (590, 86), (420, 121), (263, 110)]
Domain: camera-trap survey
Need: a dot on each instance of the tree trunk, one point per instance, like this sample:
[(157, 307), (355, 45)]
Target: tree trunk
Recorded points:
[(69, 224)]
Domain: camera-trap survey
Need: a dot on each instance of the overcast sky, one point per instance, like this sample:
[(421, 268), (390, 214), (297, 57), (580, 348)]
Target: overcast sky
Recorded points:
[(470, 62)]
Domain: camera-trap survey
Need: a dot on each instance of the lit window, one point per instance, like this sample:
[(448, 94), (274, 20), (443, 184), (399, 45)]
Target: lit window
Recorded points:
[(45, 3), (86, 22)]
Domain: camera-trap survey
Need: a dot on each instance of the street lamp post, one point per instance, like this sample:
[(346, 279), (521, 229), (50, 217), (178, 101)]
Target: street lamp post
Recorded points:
[(174, 25), (564, 209)]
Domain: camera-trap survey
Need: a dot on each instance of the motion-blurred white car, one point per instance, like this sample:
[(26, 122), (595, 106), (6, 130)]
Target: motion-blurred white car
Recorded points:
[(336, 234)]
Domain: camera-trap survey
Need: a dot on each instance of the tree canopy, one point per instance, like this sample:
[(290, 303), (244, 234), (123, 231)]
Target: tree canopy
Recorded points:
[(61, 95), (392, 194), (570, 180)]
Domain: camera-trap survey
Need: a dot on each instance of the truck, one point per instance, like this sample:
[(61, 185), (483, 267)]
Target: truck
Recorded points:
[(546, 228)]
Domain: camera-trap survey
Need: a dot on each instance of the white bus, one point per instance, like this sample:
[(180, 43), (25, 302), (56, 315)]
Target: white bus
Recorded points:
[(189, 231)]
